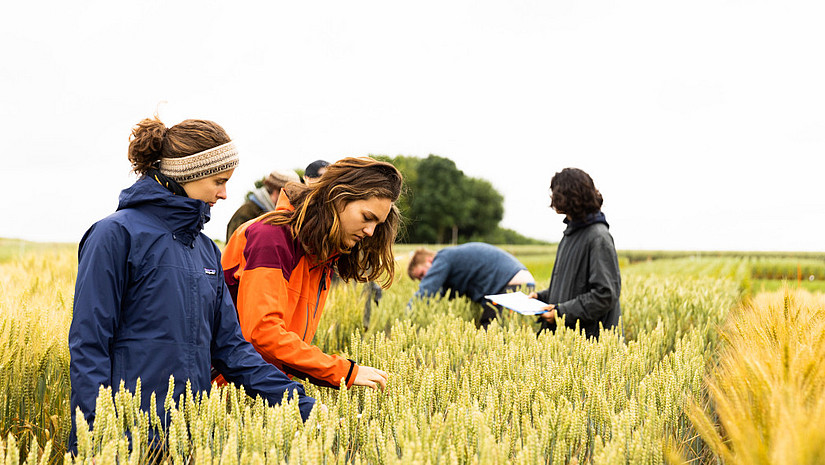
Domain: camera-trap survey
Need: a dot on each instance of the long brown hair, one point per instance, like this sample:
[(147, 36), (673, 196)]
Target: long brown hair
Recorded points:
[(151, 140), (315, 223)]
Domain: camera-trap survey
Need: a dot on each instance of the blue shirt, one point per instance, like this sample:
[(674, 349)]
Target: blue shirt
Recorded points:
[(474, 269)]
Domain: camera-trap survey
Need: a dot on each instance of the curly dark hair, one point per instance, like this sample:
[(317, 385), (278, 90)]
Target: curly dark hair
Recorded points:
[(574, 194)]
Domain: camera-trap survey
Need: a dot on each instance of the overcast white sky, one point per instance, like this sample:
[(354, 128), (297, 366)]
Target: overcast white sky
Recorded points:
[(701, 122)]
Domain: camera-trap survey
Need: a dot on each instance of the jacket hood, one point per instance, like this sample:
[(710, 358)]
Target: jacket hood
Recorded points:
[(182, 215), (251, 198), (591, 218)]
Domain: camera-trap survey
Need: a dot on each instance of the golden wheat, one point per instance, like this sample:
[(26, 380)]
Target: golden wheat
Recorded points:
[(767, 390), (456, 394)]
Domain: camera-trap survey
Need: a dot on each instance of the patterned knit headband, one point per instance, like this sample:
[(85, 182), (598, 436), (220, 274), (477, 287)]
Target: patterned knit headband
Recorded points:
[(202, 164)]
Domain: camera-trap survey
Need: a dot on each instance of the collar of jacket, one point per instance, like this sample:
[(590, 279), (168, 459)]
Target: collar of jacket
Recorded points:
[(183, 216), (591, 218), (283, 203), (327, 264)]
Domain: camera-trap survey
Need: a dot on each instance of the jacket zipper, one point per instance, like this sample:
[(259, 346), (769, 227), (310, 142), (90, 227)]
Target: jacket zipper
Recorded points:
[(321, 286)]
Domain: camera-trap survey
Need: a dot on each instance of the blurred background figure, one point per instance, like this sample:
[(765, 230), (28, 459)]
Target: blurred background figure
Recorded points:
[(262, 199), (474, 269), (314, 171)]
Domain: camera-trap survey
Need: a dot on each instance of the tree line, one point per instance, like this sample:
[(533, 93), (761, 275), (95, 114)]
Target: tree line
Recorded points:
[(442, 205)]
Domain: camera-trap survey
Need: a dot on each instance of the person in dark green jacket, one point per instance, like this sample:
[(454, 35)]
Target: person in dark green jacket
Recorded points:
[(262, 199), (586, 282)]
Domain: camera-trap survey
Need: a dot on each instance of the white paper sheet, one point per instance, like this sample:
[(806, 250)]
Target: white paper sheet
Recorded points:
[(518, 302)]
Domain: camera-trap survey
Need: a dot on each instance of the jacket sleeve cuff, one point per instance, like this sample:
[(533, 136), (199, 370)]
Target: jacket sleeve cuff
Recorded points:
[(305, 405), (543, 295), (351, 374)]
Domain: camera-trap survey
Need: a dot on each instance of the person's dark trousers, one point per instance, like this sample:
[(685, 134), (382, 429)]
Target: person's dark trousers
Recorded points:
[(491, 311), (372, 292)]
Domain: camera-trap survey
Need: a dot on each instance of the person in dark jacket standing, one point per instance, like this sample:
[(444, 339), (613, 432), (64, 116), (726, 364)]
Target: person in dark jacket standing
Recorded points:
[(586, 283), (150, 299)]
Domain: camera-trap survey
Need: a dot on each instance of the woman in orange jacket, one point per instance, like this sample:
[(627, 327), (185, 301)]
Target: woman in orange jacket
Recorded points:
[(277, 267)]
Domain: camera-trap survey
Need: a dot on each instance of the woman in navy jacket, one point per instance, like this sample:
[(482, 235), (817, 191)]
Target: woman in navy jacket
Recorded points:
[(150, 299)]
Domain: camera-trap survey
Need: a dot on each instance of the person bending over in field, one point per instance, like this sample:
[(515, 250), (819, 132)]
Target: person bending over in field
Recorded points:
[(150, 299), (586, 283), (474, 269), (278, 267)]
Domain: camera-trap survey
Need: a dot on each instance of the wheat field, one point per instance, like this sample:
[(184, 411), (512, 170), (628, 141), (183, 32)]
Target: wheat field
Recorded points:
[(671, 386)]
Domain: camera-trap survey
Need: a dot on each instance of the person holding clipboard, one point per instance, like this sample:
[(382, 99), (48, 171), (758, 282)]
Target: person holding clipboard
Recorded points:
[(586, 283)]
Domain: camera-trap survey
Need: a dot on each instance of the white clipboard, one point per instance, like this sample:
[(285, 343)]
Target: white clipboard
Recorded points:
[(519, 303)]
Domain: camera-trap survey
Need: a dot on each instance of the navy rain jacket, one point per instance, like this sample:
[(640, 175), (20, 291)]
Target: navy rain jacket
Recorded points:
[(150, 301)]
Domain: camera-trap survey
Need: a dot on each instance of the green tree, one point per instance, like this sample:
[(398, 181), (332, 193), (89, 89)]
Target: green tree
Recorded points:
[(484, 208), (438, 204)]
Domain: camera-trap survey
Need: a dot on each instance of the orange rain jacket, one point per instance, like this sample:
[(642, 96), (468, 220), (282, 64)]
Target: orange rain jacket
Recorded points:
[(279, 292)]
